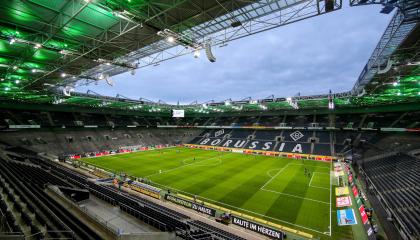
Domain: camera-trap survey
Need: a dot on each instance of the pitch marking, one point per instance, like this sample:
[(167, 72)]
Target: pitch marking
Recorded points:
[(272, 178), (295, 196), (186, 165), (286, 194), (317, 186), (269, 171)]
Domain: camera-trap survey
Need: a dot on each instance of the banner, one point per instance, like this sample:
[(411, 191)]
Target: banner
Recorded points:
[(144, 189), (346, 217), (339, 191), (343, 201), (350, 178), (191, 205), (363, 214), (355, 191), (178, 113), (24, 126), (258, 228)]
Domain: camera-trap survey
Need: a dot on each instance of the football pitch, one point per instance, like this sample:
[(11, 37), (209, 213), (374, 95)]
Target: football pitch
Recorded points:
[(272, 188)]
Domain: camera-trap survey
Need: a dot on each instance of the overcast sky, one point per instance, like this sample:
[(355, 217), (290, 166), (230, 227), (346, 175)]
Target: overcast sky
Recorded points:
[(310, 57)]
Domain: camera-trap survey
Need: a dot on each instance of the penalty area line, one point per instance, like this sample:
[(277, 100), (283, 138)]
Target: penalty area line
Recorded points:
[(317, 186), (295, 196)]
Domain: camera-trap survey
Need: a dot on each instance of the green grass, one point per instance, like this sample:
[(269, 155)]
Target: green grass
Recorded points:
[(272, 188)]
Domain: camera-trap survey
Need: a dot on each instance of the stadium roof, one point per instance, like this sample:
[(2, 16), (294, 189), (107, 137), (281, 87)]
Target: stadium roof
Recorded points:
[(50, 45)]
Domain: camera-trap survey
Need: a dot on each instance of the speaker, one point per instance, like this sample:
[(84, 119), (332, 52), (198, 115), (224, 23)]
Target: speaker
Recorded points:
[(209, 54)]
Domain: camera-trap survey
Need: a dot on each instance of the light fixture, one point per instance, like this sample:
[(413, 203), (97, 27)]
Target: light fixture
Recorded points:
[(399, 94), (170, 39), (63, 74), (197, 53), (37, 46), (108, 63), (395, 84), (331, 104), (33, 70), (6, 88), (12, 40), (292, 102), (1, 79), (15, 67), (17, 81)]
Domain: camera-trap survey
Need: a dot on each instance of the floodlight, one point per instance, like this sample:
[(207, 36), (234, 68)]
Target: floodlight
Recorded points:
[(6, 88), (17, 81), (37, 46), (395, 84), (170, 39), (197, 53), (63, 75), (15, 67), (33, 70)]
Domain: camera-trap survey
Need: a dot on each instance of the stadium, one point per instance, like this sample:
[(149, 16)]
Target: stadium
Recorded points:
[(76, 165)]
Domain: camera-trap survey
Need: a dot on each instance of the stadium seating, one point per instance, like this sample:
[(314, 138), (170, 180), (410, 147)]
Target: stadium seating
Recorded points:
[(157, 216), (396, 178), (294, 141), (36, 202), (69, 141)]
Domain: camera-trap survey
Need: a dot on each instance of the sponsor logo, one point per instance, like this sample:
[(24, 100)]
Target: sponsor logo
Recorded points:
[(192, 205), (218, 133), (255, 227), (363, 214), (296, 135)]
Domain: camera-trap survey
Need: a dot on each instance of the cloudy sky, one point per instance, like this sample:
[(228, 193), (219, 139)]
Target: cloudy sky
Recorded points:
[(310, 57)]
